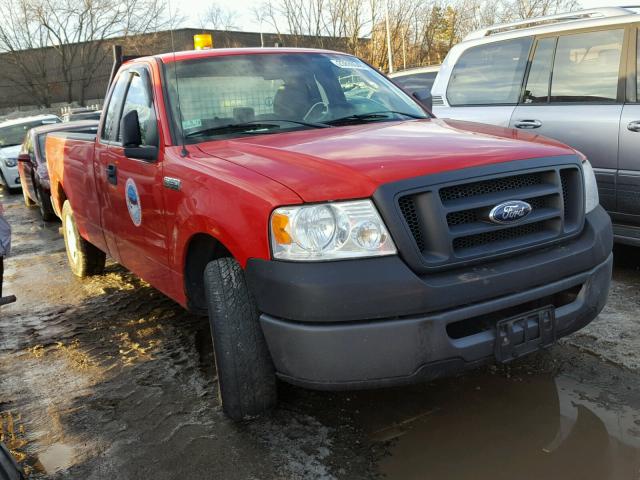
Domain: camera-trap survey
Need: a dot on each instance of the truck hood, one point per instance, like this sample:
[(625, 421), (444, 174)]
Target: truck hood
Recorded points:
[(353, 161)]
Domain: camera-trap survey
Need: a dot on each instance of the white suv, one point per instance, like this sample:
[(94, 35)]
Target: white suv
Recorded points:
[(12, 133), (573, 77)]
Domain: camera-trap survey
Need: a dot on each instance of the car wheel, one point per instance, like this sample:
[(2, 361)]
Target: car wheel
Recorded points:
[(27, 199), (246, 376), (44, 202), (85, 259)]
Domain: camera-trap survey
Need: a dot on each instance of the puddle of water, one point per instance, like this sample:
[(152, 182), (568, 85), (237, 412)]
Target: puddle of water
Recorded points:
[(486, 427), (55, 458)]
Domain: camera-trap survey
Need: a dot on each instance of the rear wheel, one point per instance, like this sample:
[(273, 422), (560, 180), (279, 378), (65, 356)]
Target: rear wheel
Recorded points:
[(27, 199), (46, 209), (247, 381), (84, 258)]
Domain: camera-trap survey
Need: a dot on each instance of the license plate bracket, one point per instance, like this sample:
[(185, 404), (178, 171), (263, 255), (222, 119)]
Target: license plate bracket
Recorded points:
[(525, 333)]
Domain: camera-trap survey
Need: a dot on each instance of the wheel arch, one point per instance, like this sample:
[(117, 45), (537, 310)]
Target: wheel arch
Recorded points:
[(200, 249), (58, 199)]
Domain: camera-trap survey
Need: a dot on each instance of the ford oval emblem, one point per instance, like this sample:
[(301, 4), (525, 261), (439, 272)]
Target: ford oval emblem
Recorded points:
[(510, 212)]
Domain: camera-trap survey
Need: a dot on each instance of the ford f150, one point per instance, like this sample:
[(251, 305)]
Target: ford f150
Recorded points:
[(336, 233)]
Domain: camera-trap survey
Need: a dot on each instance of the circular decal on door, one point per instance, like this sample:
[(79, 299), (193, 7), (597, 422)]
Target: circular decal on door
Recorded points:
[(133, 202)]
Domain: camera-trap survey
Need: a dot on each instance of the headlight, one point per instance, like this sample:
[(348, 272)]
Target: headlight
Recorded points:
[(329, 231), (10, 162), (590, 187)]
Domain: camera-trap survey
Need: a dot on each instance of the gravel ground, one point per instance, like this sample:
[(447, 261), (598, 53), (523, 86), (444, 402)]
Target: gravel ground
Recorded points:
[(108, 379)]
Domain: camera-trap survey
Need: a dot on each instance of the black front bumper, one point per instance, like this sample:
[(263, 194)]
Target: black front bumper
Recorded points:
[(363, 323)]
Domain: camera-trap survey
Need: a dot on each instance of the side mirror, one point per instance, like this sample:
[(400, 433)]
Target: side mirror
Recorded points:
[(132, 138), (425, 98), (24, 157), (130, 129)]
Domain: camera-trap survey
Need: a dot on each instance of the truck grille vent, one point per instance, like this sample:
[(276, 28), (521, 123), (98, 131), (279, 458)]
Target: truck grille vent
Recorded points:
[(408, 207), (450, 224), (496, 236), (490, 186), (564, 180)]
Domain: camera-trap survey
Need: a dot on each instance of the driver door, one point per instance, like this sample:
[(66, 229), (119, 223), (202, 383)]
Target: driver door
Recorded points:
[(133, 187)]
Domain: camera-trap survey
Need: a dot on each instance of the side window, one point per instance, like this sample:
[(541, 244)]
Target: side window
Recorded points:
[(537, 89), (110, 129), (490, 74), (586, 67), (139, 99), (416, 81), (638, 67)]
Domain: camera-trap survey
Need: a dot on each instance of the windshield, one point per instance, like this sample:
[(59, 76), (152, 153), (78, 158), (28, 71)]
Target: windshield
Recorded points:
[(237, 95), (14, 134)]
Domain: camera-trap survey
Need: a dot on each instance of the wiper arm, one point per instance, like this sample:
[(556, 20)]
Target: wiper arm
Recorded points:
[(233, 128), (251, 126), (364, 117)]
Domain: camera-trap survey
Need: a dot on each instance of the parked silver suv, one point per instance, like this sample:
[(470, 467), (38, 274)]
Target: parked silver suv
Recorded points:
[(573, 77)]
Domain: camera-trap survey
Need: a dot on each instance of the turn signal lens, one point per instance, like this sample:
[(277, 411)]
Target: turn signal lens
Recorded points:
[(279, 229)]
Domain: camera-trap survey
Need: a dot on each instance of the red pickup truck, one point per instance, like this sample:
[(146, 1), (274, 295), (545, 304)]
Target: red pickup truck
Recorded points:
[(336, 233)]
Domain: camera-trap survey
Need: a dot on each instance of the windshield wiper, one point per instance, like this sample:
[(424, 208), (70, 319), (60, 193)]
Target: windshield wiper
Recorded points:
[(250, 127), (371, 116)]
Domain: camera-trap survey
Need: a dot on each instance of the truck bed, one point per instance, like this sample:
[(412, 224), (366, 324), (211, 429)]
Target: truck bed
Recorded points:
[(70, 162)]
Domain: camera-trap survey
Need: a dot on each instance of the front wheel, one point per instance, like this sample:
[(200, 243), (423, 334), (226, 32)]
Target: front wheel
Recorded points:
[(84, 258), (246, 376)]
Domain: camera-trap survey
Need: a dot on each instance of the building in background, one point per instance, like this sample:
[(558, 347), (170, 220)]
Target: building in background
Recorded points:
[(48, 78)]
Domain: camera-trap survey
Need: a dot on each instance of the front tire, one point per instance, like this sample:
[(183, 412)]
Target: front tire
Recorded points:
[(247, 381), (85, 259)]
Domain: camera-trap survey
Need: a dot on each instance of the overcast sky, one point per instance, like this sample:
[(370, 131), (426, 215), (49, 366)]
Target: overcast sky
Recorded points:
[(245, 21)]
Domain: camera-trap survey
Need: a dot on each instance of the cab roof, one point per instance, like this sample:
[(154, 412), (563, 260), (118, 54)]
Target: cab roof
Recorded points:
[(221, 52)]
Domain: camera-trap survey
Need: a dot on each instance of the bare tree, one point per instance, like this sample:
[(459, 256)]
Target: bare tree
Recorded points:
[(79, 32), (21, 38), (69, 39), (217, 17), (523, 9)]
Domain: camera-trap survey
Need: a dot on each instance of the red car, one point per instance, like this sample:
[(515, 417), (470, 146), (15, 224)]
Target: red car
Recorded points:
[(336, 234), (32, 164)]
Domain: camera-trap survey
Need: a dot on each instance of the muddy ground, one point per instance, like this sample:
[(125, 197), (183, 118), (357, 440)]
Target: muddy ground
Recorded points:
[(109, 379)]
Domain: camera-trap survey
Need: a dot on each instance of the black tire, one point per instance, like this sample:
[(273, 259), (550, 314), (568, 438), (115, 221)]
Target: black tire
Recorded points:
[(27, 199), (246, 376), (9, 468), (44, 202), (85, 259)]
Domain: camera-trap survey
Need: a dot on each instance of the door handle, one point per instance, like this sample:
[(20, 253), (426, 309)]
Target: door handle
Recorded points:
[(634, 126), (528, 124), (112, 176)]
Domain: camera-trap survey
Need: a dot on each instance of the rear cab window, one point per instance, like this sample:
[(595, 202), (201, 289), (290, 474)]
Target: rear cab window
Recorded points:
[(490, 74)]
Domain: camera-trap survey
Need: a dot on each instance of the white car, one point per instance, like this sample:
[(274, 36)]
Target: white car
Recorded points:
[(12, 133)]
